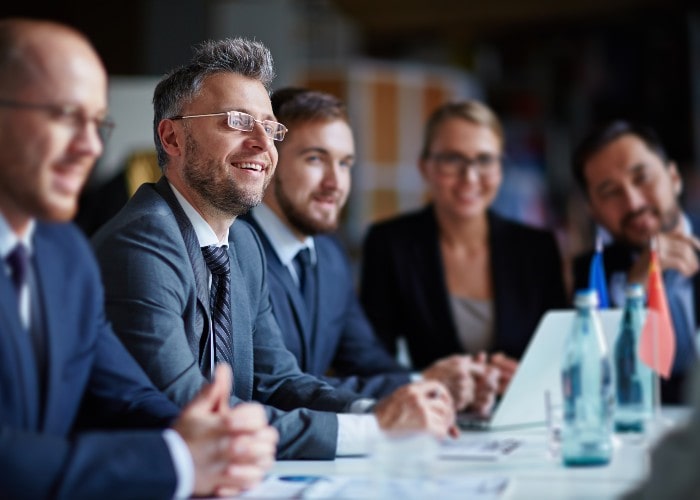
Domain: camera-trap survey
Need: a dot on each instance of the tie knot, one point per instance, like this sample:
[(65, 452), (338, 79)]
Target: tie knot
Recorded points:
[(304, 257), (217, 259), (18, 260)]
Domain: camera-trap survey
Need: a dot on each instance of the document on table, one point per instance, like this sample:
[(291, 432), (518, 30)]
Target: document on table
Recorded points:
[(478, 448), (316, 487)]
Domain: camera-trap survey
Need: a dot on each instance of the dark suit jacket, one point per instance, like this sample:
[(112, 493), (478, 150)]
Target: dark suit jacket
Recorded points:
[(90, 377), (404, 291), (619, 258), (339, 336), (158, 301)]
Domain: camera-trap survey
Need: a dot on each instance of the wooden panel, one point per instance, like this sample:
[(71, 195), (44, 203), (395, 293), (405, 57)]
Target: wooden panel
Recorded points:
[(384, 203), (335, 85), (385, 124)]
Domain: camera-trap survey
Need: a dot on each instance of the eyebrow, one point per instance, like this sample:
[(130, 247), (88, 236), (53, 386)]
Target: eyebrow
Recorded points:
[(633, 169)]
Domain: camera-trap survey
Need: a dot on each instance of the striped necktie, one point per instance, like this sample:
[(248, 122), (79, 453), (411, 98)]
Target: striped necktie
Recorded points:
[(220, 301)]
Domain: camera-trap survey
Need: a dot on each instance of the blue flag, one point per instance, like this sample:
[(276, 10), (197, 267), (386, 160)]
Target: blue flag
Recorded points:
[(596, 276)]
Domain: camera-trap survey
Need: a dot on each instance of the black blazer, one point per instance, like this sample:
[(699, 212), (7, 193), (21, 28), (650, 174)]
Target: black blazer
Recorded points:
[(618, 258), (404, 290)]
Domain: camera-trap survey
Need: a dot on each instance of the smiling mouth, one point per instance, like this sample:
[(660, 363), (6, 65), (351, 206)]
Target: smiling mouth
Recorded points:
[(256, 167)]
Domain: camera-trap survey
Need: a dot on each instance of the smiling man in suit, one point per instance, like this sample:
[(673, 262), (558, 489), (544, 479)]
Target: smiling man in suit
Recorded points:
[(78, 416), (321, 319), (186, 283)]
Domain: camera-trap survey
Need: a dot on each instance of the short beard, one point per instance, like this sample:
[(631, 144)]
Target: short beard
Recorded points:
[(298, 219), (224, 195)]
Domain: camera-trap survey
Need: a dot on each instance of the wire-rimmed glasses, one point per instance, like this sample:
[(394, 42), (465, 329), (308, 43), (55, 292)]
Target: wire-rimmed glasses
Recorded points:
[(244, 122), (71, 115)]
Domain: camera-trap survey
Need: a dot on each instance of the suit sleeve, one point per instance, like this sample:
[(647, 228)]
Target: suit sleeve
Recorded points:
[(136, 464)]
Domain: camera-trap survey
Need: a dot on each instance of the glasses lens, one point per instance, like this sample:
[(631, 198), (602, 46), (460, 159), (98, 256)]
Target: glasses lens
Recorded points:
[(275, 130), (240, 121)]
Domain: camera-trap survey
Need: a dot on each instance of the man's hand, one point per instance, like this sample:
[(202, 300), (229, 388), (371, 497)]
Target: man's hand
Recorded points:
[(456, 372), (506, 367), (231, 448), (420, 406), (675, 250)]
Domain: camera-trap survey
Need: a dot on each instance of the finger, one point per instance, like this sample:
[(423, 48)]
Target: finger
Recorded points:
[(247, 417), (222, 386)]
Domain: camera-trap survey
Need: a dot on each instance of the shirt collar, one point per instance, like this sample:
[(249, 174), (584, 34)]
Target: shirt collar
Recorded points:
[(283, 241), (205, 234), (8, 239)]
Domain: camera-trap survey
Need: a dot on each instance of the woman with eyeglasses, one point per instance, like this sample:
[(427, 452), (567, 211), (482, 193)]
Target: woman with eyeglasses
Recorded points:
[(455, 276)]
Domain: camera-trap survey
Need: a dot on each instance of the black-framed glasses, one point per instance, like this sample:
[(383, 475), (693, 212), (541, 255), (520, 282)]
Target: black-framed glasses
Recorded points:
[(454, 164), (71, 115), (244, 122)]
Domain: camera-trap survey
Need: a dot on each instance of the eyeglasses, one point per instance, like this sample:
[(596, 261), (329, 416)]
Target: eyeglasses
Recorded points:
[(71, 115), (243, 121), (453, 164)]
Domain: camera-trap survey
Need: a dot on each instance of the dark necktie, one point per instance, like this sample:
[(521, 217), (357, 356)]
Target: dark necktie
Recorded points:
[(18, 260), (220, 301), (307, 278)]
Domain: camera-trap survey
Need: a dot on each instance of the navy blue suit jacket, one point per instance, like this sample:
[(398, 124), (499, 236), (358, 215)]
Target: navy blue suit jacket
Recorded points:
[(91, 379), (340, 336), (404, 291)]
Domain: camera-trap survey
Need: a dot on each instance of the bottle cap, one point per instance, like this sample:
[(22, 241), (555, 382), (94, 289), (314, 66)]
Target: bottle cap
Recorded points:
[(634, 290), (587, 297)]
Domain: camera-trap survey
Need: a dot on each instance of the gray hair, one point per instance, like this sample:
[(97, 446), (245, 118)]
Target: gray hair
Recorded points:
[(179, 87)]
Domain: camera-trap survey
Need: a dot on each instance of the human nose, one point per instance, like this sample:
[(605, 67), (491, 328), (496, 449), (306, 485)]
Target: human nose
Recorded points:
[(88, 138), (331, 174), (258, 138), (633, 198), (468, 171)]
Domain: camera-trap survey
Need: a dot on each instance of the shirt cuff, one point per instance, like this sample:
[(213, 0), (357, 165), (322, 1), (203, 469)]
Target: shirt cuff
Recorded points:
[(356, 433), (182, 461), (363, 405), (416, 376)]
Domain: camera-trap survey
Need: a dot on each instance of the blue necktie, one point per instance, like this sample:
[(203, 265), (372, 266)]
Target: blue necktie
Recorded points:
[(307, 278), (18, 260), (679, 295), (220, 301)]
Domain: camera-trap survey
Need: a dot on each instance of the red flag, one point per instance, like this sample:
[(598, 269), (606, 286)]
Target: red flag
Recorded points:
[(657, 346)]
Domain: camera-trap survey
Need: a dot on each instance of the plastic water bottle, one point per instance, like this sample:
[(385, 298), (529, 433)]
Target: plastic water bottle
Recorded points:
[(588, 388), (633, 379)]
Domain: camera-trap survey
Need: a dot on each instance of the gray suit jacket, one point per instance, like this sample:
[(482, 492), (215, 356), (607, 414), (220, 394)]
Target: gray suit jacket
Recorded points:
[(157, 298)]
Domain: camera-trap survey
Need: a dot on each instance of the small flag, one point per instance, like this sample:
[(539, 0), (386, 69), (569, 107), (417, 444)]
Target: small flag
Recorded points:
[(657, 346), (596, 275)]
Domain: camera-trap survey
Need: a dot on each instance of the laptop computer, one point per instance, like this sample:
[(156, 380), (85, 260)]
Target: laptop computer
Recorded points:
[(539, 371)]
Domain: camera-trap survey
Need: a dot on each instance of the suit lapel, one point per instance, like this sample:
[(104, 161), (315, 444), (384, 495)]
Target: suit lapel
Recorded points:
[(243, 363), (199, 267), (292, 293)]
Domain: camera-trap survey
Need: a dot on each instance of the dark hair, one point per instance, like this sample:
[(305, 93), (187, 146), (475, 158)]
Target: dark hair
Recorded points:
[(295, 104), (231, 55), (602, 135), (472, 111)]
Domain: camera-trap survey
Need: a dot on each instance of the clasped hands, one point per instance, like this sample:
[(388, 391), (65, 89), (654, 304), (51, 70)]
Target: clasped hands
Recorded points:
[(231, 448)]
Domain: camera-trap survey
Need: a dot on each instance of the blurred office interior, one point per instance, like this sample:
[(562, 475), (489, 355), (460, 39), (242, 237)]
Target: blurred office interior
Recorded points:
[(550, 68)]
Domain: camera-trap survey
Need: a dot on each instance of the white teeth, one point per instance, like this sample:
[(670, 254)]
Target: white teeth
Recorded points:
[(250, 166)]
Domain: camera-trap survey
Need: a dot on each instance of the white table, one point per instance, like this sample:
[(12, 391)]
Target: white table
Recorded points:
[(532, 472)]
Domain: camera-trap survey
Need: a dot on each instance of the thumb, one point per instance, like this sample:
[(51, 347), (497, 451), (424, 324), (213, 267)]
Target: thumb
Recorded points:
[(215, 396)]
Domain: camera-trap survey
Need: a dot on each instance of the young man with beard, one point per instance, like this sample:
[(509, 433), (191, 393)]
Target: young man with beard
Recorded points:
[(322, 321), (186, 285), (632, 188)]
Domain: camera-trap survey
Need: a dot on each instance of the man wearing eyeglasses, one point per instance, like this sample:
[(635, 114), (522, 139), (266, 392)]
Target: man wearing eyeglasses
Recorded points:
[(78, 417), (186, 286)]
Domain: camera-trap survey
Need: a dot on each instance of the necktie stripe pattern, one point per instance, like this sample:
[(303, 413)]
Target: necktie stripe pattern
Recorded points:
[(217, 260)]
